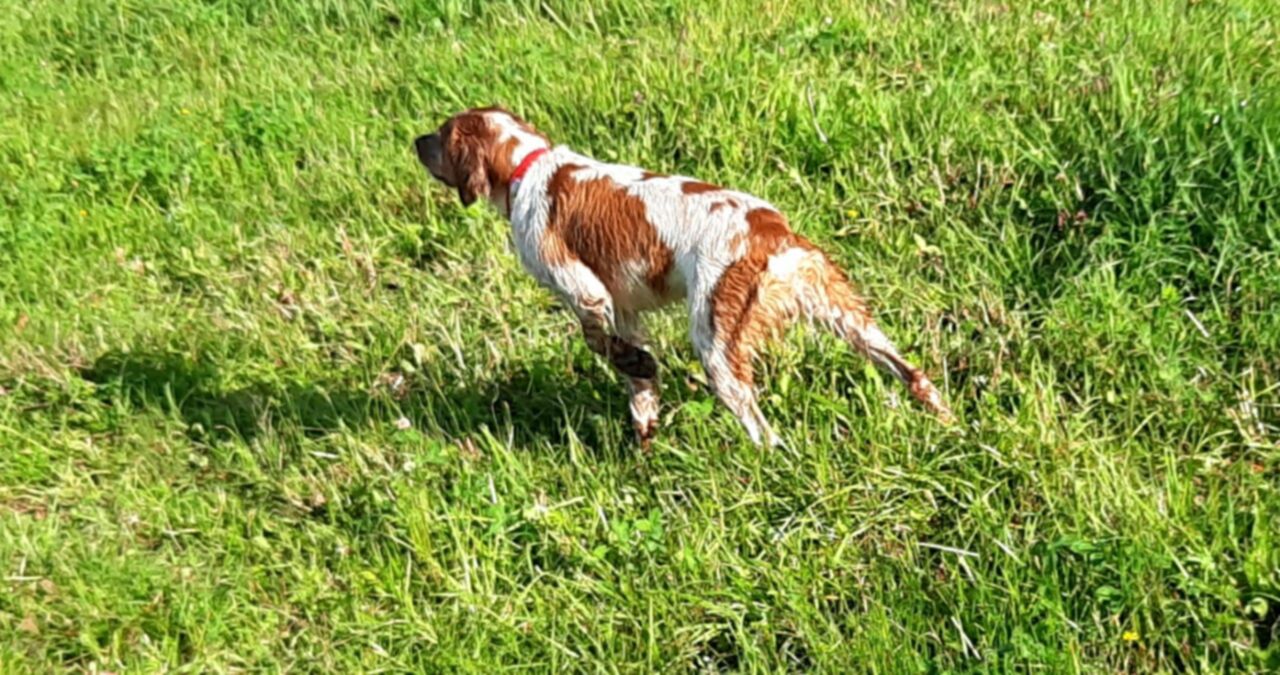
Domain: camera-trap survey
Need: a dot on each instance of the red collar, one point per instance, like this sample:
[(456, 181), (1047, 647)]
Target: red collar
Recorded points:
[(521, 170), (525, 163)]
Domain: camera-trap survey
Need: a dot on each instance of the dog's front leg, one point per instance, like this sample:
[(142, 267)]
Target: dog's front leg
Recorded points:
[(644, 390), (625, 353), (623, 347)]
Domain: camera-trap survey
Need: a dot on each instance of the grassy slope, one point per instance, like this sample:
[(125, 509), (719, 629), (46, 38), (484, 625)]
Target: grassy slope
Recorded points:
[(216, 252)]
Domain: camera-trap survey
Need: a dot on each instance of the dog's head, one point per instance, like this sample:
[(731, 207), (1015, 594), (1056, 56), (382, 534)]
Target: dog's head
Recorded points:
[(475, 151)]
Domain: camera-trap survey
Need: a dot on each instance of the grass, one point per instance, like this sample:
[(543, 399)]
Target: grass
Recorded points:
[(224, 282)]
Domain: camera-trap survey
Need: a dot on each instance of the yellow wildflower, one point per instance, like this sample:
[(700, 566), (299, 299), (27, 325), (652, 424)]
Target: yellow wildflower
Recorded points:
[(1130, 636)]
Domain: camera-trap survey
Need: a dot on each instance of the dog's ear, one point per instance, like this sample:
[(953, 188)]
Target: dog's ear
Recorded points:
[(471, 159), (473, 183)]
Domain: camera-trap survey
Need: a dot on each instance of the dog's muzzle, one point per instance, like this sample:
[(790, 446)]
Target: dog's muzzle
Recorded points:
[(430, 152)]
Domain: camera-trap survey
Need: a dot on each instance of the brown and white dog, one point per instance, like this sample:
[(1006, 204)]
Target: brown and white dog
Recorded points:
[(614, 241)]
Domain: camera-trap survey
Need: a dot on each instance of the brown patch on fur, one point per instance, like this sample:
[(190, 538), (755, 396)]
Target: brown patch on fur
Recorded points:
[(729, 203), (697, 187), (732, 302), (748, 306), (596, 222), (649, 175), (769, 228), (502, 164)]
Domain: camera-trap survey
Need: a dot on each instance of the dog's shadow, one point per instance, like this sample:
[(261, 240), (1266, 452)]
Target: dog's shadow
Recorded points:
[(529, 404)]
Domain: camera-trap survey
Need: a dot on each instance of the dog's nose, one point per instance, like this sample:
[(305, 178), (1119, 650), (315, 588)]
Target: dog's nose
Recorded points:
[(427, 146)]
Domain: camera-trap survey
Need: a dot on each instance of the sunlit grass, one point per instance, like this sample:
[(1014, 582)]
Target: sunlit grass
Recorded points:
[(271, 400)]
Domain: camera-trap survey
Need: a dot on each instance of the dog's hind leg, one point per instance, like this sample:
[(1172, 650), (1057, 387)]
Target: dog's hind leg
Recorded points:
[(726, 332), (757, 298)]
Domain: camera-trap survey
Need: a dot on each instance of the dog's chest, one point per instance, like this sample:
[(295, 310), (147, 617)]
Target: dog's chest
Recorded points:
[(527, 241)]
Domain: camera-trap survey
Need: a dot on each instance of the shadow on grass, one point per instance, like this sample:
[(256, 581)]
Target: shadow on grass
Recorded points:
[(539, 401)]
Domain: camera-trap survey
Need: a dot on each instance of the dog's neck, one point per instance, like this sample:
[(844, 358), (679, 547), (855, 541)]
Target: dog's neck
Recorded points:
[(517, 176), (527, 153), (524, 144)]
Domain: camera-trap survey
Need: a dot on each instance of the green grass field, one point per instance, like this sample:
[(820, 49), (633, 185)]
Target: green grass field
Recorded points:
[(227, 288)]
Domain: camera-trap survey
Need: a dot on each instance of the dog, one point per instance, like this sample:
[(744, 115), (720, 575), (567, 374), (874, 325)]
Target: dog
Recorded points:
[(614, 241)]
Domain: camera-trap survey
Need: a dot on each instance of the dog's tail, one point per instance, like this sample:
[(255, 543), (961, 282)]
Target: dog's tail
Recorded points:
[(824, 295)]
